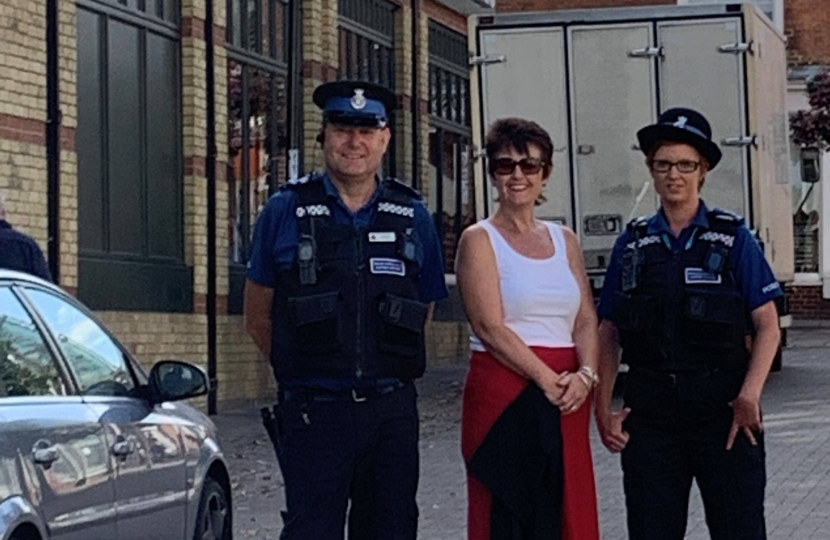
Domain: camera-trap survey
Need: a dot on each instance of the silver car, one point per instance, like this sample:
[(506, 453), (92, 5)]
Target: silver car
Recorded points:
[(91, 447)]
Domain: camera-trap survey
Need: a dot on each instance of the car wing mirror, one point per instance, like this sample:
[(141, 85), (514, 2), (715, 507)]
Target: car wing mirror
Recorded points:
[(172, 380)]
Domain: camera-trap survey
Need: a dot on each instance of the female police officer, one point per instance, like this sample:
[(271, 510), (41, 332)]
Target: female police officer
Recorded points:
[(682, 291), (343, 271)]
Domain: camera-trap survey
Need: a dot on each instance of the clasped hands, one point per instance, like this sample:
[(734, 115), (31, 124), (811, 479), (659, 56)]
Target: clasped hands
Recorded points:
[(568, 391)]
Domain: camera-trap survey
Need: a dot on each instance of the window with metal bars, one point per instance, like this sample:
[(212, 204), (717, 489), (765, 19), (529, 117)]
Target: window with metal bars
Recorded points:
[(449, 76), (259, 28), (451, 189), (159, 10), (258, 86), (367, 51)]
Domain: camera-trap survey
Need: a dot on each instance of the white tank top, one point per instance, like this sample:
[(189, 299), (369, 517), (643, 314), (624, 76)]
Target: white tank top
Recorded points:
[(540, 296)]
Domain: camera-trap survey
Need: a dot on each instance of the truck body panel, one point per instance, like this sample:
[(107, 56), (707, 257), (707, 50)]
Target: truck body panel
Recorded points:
[(592, 78)]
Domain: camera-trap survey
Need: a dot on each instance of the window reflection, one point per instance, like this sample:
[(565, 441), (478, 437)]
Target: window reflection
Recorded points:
[(84, 458), (267, 23), (26, 365), (94, 358), (451, 190), (806, 213), (256, 132)]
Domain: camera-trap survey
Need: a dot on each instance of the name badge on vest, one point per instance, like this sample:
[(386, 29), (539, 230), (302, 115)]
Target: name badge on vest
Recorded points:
[(699, 276), (392, 267), (382, 237)]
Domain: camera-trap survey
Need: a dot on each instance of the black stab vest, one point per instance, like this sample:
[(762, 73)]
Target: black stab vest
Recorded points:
[(682, 311), (348, 306)]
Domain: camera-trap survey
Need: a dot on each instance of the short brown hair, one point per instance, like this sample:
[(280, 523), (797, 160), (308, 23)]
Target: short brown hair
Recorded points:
[(518, 133)]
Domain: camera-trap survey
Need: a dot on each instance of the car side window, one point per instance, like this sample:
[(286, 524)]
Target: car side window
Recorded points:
[(27, 367), (97, 362)]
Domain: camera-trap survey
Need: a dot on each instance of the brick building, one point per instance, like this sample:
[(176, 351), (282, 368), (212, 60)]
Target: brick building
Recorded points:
[(143, 187), (807, 23)]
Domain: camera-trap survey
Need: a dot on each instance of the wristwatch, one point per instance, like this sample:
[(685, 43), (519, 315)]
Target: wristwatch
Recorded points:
[(590, 373)]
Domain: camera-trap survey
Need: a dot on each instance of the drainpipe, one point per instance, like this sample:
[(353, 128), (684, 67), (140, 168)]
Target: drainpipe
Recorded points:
[(53, 139), (210, 173), (416, 98)]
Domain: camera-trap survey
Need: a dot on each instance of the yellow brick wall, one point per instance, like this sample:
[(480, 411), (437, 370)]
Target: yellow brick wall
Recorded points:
[(68, 61), (320, 53), (23, 174), (220, 58), (23, 112), (423, 95), (69, 219), (68, 68), (448, 342), (242, 373), (23, 182), (23, 60)]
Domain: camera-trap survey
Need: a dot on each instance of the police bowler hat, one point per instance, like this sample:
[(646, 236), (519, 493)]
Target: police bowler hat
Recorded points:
[(681, 125), (355, 103)]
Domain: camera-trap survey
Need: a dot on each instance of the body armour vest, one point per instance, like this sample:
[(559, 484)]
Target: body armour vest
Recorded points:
[(681, 311), (348, 306)]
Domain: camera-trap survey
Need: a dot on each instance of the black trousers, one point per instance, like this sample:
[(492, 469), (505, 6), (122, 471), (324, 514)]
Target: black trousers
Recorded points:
[(335, 450), (679, 425)]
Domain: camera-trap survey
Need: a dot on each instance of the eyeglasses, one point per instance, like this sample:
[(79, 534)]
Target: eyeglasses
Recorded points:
[(505, 166), (683, 166)]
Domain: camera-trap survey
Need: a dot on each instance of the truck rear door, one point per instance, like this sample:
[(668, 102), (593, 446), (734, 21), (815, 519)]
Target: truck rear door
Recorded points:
[(613, 93), (530, 83), (702, 67)]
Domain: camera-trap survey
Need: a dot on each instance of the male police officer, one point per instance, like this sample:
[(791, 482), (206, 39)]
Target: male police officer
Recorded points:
[(19, 251), (683, 291), (344, 270)]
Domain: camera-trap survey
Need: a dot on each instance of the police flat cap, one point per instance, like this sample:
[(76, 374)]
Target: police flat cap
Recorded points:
[(355, 103)]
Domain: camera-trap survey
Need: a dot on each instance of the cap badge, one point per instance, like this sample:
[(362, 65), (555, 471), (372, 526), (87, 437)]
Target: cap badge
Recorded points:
[(681, 122), (358, 99)]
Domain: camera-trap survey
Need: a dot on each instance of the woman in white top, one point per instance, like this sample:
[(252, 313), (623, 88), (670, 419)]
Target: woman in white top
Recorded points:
[(533, 323)]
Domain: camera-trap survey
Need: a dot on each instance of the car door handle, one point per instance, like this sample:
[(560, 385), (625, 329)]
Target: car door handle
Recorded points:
[(45, 454), (123, 448)]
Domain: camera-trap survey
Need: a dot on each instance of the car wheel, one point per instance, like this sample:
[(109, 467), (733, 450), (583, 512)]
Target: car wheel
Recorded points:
[(214, 519)]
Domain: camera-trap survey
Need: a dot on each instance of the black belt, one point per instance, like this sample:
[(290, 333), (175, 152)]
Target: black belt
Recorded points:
[(324, 394), (673, 376)]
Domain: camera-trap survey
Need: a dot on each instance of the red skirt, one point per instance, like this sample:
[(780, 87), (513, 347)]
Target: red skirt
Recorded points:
[(490, 388)]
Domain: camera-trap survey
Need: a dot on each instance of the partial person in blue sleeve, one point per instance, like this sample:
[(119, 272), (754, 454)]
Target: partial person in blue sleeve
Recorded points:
[(344, 271), (19, 251), (685, 292)]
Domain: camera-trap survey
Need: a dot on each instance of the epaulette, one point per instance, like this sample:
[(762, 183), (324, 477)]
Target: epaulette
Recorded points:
[(303, 180), (637, 223), (725, 216), (400, 187)]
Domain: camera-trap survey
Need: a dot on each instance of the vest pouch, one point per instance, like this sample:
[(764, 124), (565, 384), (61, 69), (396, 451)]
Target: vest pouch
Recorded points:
[(634, 313), (316, 324), (401, 325), (712, 321), (635, 317)]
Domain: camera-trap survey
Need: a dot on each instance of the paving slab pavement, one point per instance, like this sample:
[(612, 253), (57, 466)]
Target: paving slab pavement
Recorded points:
[(797, 421)]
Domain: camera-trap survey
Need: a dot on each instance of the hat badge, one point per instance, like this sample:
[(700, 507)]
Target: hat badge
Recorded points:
[(681, 122), (358, 99)]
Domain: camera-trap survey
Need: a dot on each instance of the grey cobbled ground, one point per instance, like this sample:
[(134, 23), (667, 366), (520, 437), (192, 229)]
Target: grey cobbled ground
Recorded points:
[(797, 422)]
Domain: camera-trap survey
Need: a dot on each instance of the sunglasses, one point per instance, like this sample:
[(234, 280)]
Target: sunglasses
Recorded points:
[(505, 166)]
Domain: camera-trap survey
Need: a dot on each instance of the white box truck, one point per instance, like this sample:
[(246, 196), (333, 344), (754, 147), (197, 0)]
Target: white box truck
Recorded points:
[(592, 78)]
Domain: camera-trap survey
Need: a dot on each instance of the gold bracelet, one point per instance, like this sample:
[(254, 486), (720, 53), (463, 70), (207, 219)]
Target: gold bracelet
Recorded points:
[(584, 378), (591, 374)]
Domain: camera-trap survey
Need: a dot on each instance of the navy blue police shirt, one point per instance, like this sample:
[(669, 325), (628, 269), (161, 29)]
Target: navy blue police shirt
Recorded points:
[(277, 235), (21, 253), (747, 262)]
